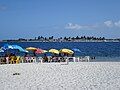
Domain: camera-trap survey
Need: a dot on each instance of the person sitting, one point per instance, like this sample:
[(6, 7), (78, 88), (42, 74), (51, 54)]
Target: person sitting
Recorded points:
[(13, 58), (45, 58)]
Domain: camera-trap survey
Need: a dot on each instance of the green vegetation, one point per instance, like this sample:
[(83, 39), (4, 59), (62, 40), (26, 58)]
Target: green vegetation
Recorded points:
[(64, 39)]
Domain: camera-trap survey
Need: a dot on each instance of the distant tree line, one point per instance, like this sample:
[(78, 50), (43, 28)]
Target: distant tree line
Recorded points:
[(63, 39)]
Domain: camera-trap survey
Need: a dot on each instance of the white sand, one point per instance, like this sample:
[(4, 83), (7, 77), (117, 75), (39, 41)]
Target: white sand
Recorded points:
[(75, 76)]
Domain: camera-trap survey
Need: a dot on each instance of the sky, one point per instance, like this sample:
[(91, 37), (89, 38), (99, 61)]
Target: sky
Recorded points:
[(59, 18)]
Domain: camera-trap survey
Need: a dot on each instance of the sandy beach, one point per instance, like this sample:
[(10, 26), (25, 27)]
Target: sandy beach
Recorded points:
[(47, 76)]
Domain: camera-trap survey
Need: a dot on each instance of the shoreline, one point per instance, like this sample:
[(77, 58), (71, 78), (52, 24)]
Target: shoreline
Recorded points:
[(59, 41)]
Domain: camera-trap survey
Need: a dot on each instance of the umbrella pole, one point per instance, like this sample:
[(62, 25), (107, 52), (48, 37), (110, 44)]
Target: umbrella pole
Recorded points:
[(7, 53), (67, 61)]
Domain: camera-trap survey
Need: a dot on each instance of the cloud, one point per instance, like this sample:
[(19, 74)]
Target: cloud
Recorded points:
[(106, 24), (112, 24), (117, 23), (79, 27), (3, 7), (73, 26), (109, 23)]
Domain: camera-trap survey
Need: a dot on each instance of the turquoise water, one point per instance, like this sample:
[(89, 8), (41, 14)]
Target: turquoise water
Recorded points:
[(103, 51)]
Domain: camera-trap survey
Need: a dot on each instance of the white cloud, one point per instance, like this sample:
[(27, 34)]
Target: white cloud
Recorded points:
[(109, 23), (73, 26), (117, 23), (79, 27), (112, 24)]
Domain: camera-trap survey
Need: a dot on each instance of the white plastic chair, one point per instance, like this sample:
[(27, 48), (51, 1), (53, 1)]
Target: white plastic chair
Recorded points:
[(86, 58), (33, 59), (40, 59)]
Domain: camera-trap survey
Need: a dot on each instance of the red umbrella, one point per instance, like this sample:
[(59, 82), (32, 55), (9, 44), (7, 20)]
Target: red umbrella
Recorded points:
[(39, 51)]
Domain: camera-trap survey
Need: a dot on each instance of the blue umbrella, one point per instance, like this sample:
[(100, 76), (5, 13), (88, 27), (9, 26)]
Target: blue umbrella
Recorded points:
[(17, 47), (6, 47), (76, 50), (1, 50)]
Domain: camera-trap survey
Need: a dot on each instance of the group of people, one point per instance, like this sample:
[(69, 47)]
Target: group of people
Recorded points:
[(7, 58), (45, 58), (53, 58)]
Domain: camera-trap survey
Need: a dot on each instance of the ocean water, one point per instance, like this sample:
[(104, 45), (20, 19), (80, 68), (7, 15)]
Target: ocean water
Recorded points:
[(102, 51)]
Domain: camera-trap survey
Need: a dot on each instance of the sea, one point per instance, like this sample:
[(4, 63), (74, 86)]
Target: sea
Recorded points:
[(102, 51)]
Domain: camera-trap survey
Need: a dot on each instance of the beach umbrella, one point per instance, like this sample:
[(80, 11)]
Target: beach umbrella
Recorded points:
[(55, 51), (31, 48), (67, 51), (76, 50), (40, 51), (19, 48), (1, 50), (9, 47), (6, 47)]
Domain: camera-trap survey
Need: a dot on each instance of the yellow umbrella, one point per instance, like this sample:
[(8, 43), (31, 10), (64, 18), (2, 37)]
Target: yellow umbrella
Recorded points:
[(68, 51), (55, 51), (31, 48)]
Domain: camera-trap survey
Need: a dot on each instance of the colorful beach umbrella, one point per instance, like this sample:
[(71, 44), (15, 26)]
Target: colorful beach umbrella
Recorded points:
[(19, 48), (16, 47), (68, 51), (40, 51), (6, 47), (55, 51), (31, 48), (1, 50), (76, 50)]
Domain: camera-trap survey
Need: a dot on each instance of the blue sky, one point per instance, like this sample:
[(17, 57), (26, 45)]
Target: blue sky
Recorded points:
[(59, 18)]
